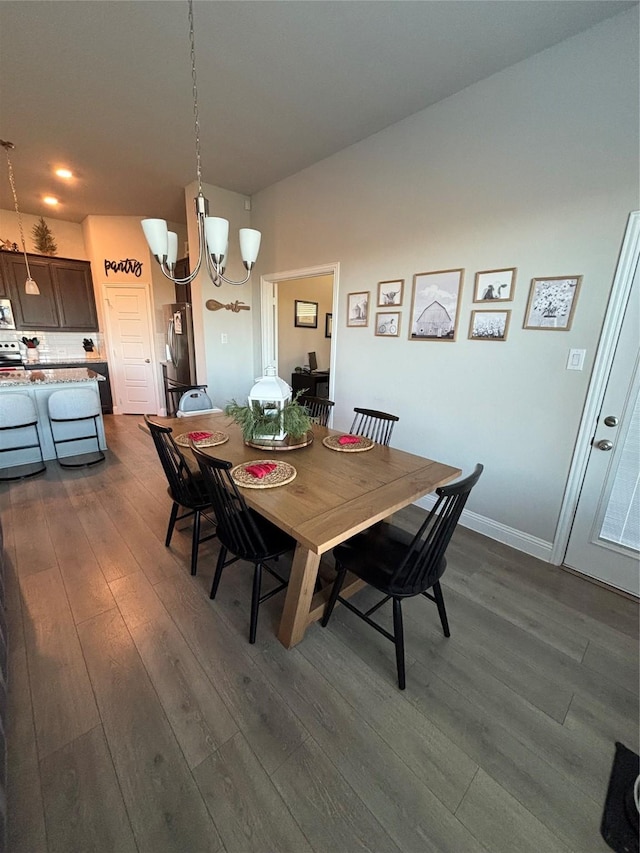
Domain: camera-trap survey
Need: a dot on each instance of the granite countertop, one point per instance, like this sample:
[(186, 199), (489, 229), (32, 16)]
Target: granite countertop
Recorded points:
[(52, 362), (48, 377)]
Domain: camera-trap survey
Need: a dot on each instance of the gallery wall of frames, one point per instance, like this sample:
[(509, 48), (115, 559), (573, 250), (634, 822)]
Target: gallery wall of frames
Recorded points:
[(431, 312)]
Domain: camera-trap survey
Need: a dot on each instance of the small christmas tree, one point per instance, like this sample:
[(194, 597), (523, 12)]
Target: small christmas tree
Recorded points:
[(43, 238)]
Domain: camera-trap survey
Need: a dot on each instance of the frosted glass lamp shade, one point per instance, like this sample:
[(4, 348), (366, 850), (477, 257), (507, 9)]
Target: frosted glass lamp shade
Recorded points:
[(31, 288), (172, 249), (249, 245), (157, 234), (217, 233)]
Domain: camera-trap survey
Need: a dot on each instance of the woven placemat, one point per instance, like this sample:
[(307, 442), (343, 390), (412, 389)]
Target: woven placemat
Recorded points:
[(282, 474), (333, 443), (214, 438)]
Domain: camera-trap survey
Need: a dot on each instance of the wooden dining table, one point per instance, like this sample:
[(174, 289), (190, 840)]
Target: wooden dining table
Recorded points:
[(333, 496)]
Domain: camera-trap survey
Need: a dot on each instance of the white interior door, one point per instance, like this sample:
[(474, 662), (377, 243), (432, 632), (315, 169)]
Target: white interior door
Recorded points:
[(128, 314), (605, 536)]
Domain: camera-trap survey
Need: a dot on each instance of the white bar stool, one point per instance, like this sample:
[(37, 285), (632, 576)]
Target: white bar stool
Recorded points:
[(71, 406), (18, 411)]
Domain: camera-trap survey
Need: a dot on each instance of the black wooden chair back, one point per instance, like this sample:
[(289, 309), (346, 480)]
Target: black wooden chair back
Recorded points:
[(185, 489), (242, 532), (237, 527), (372, 424), (319, 408), (400, 566), (423, 564)]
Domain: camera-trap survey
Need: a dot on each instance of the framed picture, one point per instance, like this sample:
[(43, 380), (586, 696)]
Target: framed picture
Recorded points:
[(328, 325), (357, 309), (552, 302), (388, 324), (495, 285), (435, 304), (489, 325), (6, 315), (390, 292), (306, 314)]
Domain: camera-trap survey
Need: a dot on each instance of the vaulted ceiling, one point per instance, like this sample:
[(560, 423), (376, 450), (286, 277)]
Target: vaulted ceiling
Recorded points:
[(105, 87)]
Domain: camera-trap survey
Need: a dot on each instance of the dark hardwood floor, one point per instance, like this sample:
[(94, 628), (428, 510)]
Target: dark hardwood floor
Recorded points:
[(140, 718)]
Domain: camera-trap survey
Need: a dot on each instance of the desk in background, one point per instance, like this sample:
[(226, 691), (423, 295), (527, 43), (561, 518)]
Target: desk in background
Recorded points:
[(317, 383)]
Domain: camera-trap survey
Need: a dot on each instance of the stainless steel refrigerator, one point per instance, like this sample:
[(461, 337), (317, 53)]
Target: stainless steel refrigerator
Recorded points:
[(179, 369)]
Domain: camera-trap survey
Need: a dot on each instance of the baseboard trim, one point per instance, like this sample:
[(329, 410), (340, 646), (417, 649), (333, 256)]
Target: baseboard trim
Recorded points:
[(500, 532)]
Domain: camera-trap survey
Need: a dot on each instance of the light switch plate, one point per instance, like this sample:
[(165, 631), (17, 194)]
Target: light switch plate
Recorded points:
[(576, 359)]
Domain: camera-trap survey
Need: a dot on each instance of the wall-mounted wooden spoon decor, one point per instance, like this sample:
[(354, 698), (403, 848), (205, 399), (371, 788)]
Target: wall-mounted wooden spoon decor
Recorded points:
[(214, 305)]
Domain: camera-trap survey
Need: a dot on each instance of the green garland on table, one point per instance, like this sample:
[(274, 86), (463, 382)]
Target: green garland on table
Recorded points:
[(253, 420)]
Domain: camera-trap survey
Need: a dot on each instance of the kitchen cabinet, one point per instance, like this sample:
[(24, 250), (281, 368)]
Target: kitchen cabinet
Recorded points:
[(66, 301)]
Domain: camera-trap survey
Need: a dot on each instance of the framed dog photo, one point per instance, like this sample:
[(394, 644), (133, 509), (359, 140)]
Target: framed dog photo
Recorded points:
[(552, 303), (495, 285), (489, 325), (357, 309), (388, 324), (390, 293)]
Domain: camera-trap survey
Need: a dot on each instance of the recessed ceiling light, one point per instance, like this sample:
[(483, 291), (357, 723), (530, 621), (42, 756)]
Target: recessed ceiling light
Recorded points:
[(49, 199), (64, 173)]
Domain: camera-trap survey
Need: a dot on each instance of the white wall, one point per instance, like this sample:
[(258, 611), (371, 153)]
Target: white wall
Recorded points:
[(537, 168), (227, 368), (67, 235), (295, 342)]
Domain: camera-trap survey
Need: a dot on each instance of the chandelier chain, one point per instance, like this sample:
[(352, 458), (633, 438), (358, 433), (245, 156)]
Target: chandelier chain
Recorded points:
[(196, 113), (7, 146)]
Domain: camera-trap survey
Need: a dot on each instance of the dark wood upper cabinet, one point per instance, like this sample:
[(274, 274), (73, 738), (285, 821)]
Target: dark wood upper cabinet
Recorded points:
[(66, 301)]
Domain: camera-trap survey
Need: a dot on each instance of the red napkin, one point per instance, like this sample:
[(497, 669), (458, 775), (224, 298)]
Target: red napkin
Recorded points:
[(349, 439), (261, 470), (199, 436)]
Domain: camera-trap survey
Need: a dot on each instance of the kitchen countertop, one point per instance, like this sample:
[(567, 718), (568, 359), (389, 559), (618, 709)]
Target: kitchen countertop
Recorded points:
[(54, 362), (52, 376)]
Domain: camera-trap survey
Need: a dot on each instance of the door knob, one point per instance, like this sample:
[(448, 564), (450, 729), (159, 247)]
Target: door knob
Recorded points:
[(147, 361), (604, 444), (611, 421)]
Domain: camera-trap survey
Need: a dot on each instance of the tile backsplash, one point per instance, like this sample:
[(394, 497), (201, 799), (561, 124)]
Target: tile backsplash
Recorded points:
[(58, 346)]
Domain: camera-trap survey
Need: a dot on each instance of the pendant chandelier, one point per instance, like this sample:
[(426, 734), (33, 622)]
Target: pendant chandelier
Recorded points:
[(30, 287), (213, 231)]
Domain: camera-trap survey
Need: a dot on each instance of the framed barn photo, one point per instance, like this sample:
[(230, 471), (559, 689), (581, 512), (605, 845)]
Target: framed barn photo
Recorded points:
[(495, 285), (357, 309), (435, 305), (390, 293), (489, 325), (387, 324), (552, 303)]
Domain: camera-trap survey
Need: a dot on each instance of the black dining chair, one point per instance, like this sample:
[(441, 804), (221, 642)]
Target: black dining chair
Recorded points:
[(186, 490), (319, 408), (372, 424), (243, 533), (401, 566)]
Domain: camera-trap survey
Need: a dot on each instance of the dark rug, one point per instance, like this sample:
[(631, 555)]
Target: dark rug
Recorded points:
[(619, 826)]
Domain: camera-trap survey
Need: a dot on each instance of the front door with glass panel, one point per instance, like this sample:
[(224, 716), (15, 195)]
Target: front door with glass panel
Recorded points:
[(605, 537)]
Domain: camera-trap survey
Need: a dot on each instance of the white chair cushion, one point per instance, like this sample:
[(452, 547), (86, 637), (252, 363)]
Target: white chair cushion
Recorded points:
[(74, 403), (16, 410)]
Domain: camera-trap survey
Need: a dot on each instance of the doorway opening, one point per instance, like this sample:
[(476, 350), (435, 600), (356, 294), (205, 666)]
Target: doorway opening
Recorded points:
[(288, 344)]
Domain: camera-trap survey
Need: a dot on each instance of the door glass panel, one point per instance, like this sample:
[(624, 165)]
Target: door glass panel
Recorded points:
[(621, 523)]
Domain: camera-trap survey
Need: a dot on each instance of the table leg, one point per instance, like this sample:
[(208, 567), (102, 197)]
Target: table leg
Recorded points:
[(295, 615)]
